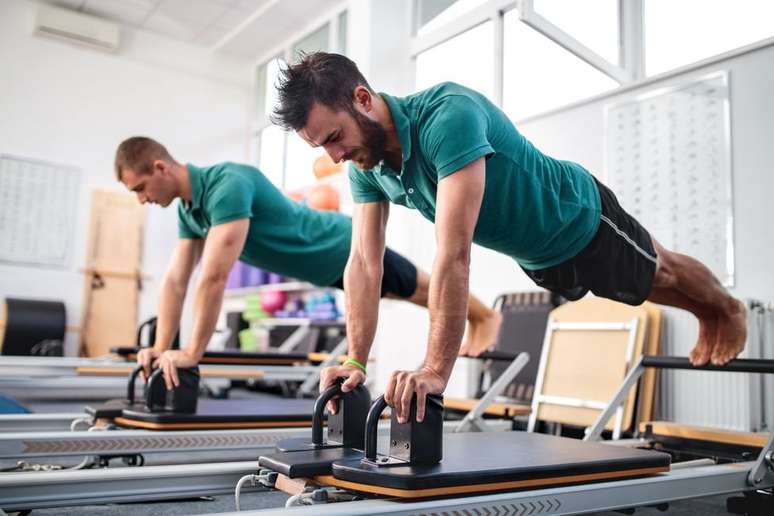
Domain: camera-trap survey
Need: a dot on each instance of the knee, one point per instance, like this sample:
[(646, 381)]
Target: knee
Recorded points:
[(665, 274)]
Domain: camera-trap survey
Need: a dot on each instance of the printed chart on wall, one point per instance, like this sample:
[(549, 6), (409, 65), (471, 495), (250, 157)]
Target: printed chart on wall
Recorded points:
[(38, 203), (669, 162)]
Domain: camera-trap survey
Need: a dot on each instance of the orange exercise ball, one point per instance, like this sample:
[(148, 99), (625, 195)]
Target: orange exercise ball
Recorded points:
[(296, 196), (324, 166), (323, 197)]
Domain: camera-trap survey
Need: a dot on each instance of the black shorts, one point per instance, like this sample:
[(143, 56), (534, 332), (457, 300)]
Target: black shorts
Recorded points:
[(619, 263), (399, 278)]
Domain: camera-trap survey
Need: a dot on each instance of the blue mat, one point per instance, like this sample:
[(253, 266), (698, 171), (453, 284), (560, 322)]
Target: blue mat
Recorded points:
[(11, 406)]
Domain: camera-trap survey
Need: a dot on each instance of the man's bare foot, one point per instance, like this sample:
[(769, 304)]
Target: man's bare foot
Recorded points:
[(731, 335), (483, 333), (467, 341), (708, 336)]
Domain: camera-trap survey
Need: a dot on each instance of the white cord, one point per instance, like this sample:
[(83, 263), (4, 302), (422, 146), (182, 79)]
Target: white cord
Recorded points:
[(252, 478)]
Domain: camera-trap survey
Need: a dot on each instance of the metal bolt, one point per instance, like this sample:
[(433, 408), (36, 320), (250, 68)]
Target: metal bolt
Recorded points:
[(394, 442), (406, 446)]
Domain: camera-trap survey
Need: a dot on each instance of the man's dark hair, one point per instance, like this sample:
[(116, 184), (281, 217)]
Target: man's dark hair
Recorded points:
[(329, 79), (138, 153)]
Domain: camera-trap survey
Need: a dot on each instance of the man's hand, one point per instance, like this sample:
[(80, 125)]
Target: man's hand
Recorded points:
[(145, 358), (403, 385), (170, 361), (328, 376)]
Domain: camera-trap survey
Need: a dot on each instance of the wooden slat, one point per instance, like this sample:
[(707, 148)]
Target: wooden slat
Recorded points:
[(495, 409), (124, 370), (698, 433), (487, 488)]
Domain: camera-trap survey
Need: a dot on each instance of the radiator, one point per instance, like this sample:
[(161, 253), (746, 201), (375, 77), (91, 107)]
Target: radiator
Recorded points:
[(733, 401)]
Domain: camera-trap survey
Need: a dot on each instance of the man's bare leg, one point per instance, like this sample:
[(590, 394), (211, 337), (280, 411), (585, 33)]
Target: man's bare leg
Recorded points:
[(483, 322), (686, 283)]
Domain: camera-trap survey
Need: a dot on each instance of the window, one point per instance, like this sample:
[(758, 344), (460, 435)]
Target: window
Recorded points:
[(299, 162), (285, 158), (432, 14), (539, 75), (272, 150), (594, 24), (679, 33), (467, 59), (317, 41), (342, 33)]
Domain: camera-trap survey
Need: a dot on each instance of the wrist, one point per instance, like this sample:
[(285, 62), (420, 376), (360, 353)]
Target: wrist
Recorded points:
[(355, 363)]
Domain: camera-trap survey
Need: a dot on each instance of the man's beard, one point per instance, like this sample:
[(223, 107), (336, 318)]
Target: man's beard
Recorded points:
[(374, 138)]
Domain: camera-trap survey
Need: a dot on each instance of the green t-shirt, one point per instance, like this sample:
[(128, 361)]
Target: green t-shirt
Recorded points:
[(539, 210), (284, 237)]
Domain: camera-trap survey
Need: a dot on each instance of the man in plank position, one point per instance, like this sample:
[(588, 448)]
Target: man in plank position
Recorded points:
[(230, 211), (453, 155)]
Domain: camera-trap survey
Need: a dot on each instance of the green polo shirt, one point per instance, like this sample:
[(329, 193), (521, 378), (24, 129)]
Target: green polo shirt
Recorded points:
[(539, 210), (284, 237)]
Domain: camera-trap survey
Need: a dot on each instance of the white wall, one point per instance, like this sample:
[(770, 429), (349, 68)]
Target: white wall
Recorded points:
[(73, 105)]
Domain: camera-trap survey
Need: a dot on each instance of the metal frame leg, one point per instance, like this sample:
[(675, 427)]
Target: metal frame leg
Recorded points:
[(473, 420)]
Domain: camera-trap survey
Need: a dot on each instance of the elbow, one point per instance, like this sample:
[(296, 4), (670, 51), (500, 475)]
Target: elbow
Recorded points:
[(214, 278), (370, 270)]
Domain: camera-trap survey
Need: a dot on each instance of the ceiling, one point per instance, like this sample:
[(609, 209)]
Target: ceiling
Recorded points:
[(247, 28)]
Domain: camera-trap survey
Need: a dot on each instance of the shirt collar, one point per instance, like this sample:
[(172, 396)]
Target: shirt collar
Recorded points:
[(197, 188), (402, 125)]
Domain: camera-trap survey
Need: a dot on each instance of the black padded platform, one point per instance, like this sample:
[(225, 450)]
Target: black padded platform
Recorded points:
[(507, 457), (112, 408), (267, 409), (230, 357), (308, 463)]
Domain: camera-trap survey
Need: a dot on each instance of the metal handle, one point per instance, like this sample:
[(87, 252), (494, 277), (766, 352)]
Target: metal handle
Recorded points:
[(739, 365), (319, 408), (149, 322), (130, 385), (154, 378), (372, 427)]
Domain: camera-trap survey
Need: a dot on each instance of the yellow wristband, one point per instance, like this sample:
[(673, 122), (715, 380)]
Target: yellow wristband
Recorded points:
[(352, 361)]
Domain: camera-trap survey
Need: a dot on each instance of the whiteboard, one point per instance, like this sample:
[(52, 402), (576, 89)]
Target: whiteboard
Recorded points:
[(38, 203), (668, 159)]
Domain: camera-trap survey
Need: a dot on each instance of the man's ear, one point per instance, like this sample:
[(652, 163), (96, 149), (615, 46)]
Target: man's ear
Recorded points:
[(363, 99), (160, 166)]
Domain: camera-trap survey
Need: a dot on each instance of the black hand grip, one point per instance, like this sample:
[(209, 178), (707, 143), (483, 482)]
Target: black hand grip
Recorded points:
[(130, 385), (372, 427), (154, 378), (739, 365), (319, 408)]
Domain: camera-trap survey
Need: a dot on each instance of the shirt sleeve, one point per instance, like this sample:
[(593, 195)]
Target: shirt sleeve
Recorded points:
[(184, 230), (364, 187), (455, 134), (231, 199)]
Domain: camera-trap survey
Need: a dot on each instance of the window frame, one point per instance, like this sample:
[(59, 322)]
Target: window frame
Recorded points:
[(630, 46)]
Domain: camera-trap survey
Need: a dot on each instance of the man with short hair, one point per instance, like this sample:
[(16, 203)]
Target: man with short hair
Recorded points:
[(230, 211), (454, 156)]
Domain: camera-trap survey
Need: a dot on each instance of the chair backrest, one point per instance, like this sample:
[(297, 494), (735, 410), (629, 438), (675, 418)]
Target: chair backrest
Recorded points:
[(590, 346), (523, 329)]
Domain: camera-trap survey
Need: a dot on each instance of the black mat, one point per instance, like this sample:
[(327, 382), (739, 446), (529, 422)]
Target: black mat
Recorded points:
[(486, 458), (232, 411)]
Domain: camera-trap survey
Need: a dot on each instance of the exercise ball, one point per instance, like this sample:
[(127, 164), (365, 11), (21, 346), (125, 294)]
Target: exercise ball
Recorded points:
[(323, 197), (324, 166), (296, 196), (273, 300)]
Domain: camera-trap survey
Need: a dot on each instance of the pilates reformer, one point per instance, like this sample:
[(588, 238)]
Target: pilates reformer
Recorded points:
[(520, 470), (27, 489)]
